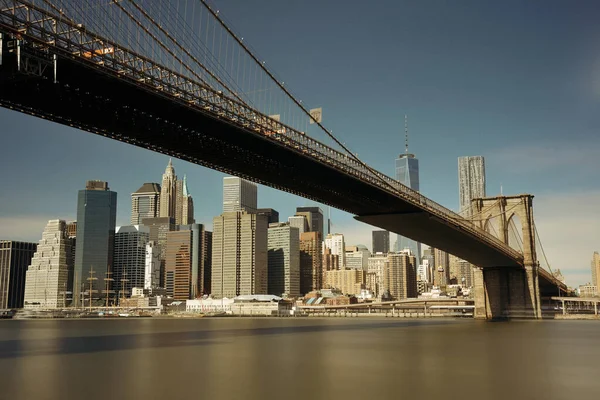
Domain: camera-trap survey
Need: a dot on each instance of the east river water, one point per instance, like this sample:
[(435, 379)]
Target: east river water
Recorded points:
[(309, 359)]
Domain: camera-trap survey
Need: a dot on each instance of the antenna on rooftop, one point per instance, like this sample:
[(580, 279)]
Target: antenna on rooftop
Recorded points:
[(406, 132)]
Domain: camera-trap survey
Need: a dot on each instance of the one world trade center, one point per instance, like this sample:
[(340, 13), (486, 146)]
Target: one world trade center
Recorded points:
[(407, 173)]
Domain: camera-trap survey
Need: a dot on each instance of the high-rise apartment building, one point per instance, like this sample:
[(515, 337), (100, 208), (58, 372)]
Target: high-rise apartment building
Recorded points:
[(299, 222), (381, 241), (331, 262), (441, 267), (15, 257), (47, 280), (239, 195), (401, 275), (314, 218), (471, 181), (152, 266), (283, 260), (129, 268), (335, 242), (407, 173), (145, 203), (596, 269), (96, 220), (311, 262), (376, 269), (239, 264), (348, 281)]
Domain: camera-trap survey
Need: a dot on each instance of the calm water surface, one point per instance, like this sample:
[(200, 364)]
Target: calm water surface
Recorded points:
[(306, 359)]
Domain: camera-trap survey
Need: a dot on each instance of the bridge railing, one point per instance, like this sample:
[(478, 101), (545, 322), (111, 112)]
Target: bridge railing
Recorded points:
[(72, 40)]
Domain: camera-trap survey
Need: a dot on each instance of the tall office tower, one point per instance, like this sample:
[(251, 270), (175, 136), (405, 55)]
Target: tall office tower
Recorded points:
[(207, 237), (357, 257), (596, 269), (407, 173), (314, 217), (239, 195), (96, 220), (311, 262), (239, 264), (72, 236), (158, 234), (381, 241), (471, 181), (129, 268), (47, 279), (168, 193), (299, 222), (152, 265), (283, 243), (271, 214), (464, 276), (15, 257), (187, 205), (186, 261), (145, 203), (376, 269), (441, 267), (335, 242), (178, 266), (401, 275)]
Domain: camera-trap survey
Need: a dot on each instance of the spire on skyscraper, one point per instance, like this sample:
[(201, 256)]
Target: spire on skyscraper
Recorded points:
[(406, 132), (185, 188)]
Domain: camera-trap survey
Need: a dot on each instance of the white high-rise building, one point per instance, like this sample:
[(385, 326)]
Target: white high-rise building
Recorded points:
[(239, 195), (335, 242), (152, 266), (48, 275), (471, 181), (376, 268), (283, 260)]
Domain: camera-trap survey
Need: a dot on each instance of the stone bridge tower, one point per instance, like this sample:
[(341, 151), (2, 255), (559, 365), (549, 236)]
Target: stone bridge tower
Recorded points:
[(501, 291)]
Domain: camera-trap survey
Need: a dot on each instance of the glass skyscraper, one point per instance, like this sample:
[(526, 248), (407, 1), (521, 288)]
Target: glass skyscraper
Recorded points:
[(407, 173), (96, 220)]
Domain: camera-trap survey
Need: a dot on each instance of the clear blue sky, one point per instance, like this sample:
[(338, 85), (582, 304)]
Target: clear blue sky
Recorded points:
[(517, 82)]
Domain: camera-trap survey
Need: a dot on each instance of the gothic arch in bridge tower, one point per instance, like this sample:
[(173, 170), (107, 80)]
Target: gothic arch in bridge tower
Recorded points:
[(514, 232)]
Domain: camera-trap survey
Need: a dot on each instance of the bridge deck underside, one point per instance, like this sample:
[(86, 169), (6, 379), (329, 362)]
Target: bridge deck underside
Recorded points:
[(91, 100), (443, 235)]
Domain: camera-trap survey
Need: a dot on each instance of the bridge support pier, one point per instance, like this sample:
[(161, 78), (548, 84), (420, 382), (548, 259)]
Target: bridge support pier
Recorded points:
[(502, 293)]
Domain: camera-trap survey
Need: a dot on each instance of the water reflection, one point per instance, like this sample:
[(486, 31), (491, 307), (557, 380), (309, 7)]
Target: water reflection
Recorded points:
[(297, 358)]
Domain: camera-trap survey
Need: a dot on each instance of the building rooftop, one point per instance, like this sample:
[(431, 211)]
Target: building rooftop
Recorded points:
[(148, 187)]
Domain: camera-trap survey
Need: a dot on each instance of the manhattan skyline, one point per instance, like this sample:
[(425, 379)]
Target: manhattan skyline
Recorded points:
[(489, 95)]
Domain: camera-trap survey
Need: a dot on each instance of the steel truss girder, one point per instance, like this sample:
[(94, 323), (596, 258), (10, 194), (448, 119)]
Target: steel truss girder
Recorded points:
[(68, 39)]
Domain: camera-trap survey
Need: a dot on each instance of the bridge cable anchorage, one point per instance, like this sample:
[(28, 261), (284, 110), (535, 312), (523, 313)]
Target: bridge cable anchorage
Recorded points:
[(293, 98), (161, 44), (187, 52)]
